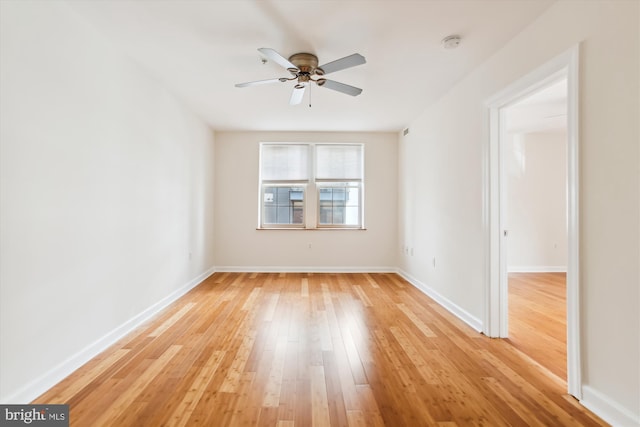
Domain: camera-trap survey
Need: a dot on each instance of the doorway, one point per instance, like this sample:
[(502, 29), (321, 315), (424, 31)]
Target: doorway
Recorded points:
[(535, 175), (496, 320)]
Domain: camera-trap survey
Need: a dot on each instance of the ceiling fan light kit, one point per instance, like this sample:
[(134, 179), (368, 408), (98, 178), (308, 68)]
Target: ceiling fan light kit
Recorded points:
[(304, 67)]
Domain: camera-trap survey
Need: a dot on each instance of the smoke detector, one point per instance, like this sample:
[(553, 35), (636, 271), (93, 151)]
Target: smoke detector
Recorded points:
[(451, 42)]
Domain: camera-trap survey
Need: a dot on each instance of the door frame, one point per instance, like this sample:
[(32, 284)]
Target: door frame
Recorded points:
[(496, 286)]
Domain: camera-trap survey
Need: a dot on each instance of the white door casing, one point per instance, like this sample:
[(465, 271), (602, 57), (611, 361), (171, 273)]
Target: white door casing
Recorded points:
[(565, 66)]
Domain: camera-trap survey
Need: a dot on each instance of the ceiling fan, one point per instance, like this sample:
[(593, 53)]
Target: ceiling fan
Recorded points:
[(304, 66)]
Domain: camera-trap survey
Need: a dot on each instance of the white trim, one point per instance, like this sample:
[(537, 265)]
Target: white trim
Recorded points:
[(574, 361), (607, 409), (496, 310), (537, 269), (452, 307), (302, 269), (38, 386)]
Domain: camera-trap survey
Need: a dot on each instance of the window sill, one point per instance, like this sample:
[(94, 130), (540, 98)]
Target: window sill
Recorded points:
[(312, 229)]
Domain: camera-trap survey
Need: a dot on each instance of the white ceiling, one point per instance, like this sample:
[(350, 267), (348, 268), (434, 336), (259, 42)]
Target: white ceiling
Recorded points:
[(200, 49)]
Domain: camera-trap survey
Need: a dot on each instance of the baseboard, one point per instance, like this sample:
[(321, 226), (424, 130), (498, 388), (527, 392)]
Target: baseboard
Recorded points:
[(537, 269), (453, 308), (607, 409), (40, 385), (308, 269)]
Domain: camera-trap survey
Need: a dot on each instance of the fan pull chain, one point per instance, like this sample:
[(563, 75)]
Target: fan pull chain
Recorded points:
[(310, 94)]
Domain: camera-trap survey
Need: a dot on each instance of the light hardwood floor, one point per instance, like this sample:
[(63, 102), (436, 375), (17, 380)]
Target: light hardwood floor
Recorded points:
[(313, 350), (538, 318)]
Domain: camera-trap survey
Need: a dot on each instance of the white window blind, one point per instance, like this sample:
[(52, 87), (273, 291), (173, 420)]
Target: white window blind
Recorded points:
[(285, 162), (339, 161)]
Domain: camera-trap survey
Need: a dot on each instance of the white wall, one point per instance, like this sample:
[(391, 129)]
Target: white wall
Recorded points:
[(106, 187), (239, 246), (441, 175), (537, 201)]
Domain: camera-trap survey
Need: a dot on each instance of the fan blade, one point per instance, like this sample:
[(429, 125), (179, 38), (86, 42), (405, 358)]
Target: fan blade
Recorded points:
[(297, 94), (259, 82), (277, 58), (341, 87), (342, 63)]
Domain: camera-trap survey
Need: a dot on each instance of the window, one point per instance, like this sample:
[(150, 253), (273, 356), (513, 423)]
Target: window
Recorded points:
[(338, 182), (311, 185)]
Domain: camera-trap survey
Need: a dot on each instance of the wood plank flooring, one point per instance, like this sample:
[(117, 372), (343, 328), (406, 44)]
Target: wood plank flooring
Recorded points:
[(538, 318), (294, 349)]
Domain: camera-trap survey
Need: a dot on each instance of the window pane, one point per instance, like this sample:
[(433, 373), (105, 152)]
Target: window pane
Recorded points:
[(352, 216), (325, 215), (270, 215), (298, 213), (283, 205), (339, 161), (283, 195), (353, 197), (325, 194), (338, 215), (339, 204), (283, 215), (339, 196), (284, 162)]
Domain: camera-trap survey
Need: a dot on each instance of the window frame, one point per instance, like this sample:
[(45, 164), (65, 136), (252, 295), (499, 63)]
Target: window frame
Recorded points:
[(312, 189)]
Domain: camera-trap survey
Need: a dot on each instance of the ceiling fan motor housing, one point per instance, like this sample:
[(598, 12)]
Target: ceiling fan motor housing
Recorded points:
[(307, 63)]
